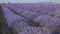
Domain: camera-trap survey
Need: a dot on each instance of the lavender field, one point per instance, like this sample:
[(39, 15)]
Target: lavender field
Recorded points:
[(30, 18)]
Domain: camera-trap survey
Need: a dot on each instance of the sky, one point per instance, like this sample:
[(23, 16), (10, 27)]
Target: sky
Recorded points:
[(28, 1)]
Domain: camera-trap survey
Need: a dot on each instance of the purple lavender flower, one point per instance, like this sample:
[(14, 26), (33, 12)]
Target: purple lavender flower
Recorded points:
[(12, 18), (32, 30), (48, 23)]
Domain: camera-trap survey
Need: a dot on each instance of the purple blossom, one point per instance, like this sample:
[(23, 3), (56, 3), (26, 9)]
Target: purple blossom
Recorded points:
[(32, 30), (47, 22)]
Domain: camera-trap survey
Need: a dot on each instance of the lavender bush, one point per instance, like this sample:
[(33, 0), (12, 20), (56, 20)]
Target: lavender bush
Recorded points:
[(20, 17)]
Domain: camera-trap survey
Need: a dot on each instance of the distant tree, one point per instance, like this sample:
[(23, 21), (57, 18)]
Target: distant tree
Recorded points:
[(50, 2), (8, 2)]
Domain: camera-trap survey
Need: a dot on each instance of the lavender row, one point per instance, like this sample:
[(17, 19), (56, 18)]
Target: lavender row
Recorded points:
[(11, 17), (50, 24), (44, 20), (40, 8)]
